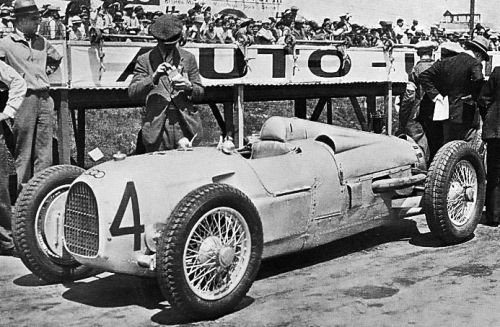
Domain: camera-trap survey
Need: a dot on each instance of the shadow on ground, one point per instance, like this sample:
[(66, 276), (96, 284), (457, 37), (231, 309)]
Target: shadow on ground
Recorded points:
[(122, 290), (396, 231)]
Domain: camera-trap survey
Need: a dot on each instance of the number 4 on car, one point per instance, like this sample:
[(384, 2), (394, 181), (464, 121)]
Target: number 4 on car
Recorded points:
[(201, 221)]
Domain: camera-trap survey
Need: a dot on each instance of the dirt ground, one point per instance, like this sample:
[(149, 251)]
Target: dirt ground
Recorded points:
[(391, 276)]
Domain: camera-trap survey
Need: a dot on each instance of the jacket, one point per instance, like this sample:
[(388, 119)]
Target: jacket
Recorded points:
[(460, 78), (489, 106), (142, 82)]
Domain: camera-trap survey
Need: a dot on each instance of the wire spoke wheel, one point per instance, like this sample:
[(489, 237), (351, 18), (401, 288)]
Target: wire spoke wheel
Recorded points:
[(454, 192), (209, 251), (217, 253), (461, 199)]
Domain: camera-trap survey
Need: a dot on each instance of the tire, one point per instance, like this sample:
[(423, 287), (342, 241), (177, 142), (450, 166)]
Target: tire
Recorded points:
[(190, 217), (35, 226), (452, 210)]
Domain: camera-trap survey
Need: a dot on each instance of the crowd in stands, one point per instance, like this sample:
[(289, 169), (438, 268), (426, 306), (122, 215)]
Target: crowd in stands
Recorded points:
[(202, 25)]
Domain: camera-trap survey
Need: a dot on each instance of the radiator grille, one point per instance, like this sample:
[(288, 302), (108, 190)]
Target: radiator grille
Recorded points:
[(81, 221)]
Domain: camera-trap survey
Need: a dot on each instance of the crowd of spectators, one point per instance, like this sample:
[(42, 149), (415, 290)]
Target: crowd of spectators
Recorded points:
[(202, 25)]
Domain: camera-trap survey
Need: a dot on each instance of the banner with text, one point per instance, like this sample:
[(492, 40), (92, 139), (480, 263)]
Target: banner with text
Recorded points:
[(225, 65)]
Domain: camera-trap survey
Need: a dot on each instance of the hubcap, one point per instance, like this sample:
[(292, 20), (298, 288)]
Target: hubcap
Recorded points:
[(49, 222), (217, 253), (461, 199)]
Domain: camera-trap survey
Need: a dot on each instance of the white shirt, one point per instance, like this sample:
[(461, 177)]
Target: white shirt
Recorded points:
[(17, 88)]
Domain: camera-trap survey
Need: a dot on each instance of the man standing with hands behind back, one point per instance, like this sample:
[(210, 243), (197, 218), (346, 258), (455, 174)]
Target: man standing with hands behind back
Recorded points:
[(460, 78), (167, 78), (10, 79), (33, 57)]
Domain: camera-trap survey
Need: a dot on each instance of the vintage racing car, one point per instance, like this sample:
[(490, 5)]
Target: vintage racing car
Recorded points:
[(201, 221)]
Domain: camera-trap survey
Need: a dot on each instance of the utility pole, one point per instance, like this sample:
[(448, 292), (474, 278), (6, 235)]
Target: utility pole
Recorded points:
[(472, 11)]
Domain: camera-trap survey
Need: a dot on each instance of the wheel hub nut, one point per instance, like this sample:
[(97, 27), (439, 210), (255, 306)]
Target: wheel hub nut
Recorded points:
[(208, 248), (226, 256), (469, 194)]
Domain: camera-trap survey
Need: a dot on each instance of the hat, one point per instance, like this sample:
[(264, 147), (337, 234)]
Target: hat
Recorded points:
[(481, 44), (450, 48), (145, 20), (346, 15), (166, 28), (25, 7), (53, 8), (247, 22), (424, 45), (294, 8), (5, 10), (75, 20), (494, 36), (384, 23)]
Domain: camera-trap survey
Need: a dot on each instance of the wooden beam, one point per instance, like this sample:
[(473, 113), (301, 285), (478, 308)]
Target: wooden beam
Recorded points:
[(371, 109), (388, 108), (239, 92), (359, 113), (301, 108), (229, 119), (319, 109), (80, 138), (218, 118), (63, 129), (329, 112)]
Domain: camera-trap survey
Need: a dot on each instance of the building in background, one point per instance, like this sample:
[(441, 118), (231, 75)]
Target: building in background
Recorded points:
[(457, 22)]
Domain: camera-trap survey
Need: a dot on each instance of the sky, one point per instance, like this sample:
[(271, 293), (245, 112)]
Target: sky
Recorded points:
[(370, 12)]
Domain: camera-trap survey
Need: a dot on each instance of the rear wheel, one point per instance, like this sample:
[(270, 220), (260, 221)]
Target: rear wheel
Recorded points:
[(210, 251), (38, 225), (454, 192)]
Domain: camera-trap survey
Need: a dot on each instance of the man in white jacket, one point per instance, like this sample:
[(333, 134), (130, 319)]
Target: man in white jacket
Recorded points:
[(11, 80)]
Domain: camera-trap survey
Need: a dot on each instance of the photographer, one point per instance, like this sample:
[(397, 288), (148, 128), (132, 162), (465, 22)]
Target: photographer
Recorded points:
[(167, 77)]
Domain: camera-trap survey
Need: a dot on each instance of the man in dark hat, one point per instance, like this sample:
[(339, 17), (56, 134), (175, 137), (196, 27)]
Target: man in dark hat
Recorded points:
[(167, 78), (459, 78), (34, 58)]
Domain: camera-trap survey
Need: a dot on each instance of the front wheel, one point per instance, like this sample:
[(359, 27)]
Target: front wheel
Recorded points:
[(38, 225), (454, 192), (209, 252)]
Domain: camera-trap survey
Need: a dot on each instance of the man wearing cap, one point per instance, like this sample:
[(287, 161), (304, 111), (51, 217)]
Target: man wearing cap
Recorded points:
[(167, 78), (52, 28), (33, 57), (6, 25), (75, 32), (16, 86), (415, 99), (459, 78), (265, 35)]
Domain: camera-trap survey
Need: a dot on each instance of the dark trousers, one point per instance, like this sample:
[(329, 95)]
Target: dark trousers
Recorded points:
[(441, 132), (5, 208), (493, 180)]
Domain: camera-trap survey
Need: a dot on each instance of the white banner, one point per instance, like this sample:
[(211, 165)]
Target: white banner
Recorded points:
[(223, 65)]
